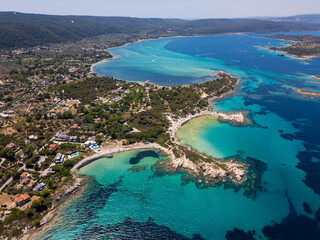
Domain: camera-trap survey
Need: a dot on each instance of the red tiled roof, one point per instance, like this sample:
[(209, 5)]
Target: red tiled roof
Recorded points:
[(23, 174), (25, 180), (53, 146), (22, 198), (11, 145)]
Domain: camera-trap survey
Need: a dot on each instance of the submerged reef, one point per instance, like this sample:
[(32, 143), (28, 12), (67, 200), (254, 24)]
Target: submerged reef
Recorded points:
[(129, 229), (143, 154)]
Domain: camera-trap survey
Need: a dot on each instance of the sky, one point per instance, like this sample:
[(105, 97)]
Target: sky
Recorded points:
[(187, 9)]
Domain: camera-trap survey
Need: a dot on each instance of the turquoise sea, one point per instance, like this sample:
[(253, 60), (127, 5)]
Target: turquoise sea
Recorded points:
[(121, 202)]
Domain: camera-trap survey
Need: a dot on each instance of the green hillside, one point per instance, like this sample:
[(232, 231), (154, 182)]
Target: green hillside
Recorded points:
[(25, 30)]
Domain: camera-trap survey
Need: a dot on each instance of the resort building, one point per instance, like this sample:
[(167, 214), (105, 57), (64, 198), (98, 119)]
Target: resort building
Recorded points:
[(59, 158), (90, 143)]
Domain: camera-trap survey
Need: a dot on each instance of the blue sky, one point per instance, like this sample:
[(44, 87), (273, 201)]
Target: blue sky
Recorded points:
[(165, 8)]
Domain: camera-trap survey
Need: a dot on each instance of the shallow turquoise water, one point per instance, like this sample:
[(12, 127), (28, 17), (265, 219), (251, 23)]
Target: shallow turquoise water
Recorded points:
[(286, 136)]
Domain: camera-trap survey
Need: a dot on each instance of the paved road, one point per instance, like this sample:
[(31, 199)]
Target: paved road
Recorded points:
[(23, 167), (6, 183)]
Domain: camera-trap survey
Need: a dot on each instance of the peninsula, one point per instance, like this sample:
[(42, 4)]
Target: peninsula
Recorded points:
[(57, 115), (303, 47), (78, 117)]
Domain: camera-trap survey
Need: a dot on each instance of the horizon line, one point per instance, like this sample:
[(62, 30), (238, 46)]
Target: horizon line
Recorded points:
[(178, 18)]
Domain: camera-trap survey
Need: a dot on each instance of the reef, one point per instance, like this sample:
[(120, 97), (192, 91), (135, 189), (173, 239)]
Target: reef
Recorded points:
[(129, 229)]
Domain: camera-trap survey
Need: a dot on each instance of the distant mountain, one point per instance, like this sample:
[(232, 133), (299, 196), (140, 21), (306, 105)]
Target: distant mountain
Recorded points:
[(306, 18), (25, 30)]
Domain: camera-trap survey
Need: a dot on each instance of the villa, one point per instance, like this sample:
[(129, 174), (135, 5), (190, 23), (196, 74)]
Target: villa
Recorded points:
[(24, 181), (24, 175), (12, 146), (53, 146), (22, 200), (39, 187)]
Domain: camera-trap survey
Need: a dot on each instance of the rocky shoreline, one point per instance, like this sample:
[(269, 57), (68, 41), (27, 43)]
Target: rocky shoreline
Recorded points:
[(50, 217)]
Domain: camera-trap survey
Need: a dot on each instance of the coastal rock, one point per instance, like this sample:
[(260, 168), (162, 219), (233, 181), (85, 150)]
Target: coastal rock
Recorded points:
[(184, 163), (210, 170)]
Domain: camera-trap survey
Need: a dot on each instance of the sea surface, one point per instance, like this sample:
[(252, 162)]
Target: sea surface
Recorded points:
[(123, 199)]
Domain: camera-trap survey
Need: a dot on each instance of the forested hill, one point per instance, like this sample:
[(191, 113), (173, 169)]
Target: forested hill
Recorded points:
[(306, 18), (24, 30)]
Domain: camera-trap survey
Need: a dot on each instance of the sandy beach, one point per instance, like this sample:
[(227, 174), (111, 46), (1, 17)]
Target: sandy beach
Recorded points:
[(117, 148), (237, 117)]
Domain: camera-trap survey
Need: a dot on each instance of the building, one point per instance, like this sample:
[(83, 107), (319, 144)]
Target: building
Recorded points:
[(12, 146), (5, 116), (82, 138), (39, 187), (22, 200), (24, 181), (75, 126), (24, 175), (90, 143), (64, 137), (33, 137), (59, 158), (53, 146), (73, 138)]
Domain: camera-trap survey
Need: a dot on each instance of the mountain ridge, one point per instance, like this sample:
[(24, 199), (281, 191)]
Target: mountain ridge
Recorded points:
[(20, 30)]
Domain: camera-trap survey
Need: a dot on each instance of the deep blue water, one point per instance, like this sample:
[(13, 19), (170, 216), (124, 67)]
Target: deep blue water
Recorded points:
[(286, 136)]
